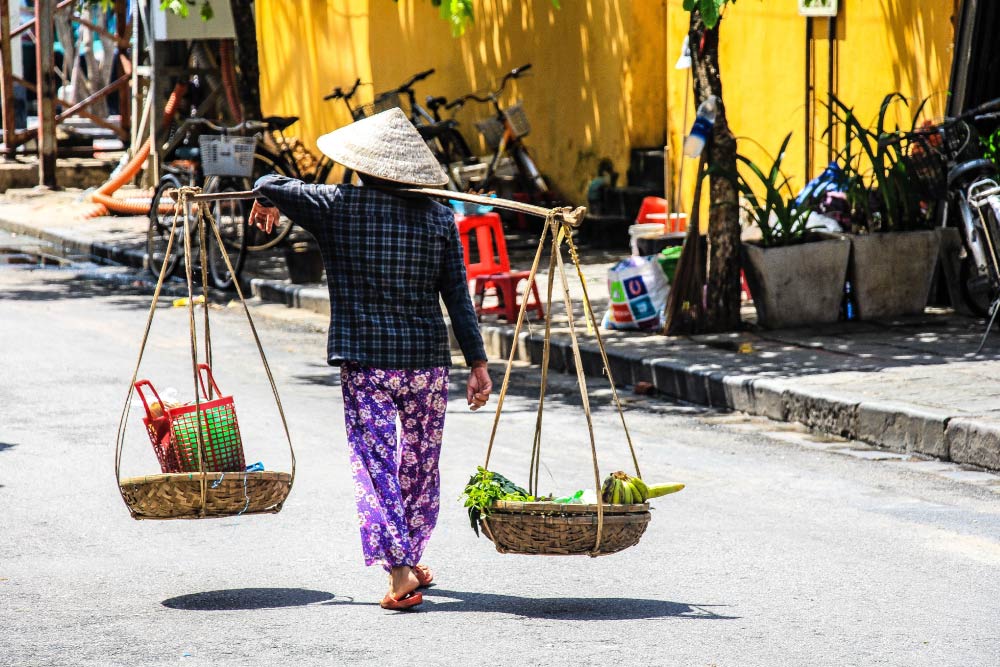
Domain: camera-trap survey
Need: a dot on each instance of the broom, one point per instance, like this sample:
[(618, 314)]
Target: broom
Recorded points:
[(686, 305)]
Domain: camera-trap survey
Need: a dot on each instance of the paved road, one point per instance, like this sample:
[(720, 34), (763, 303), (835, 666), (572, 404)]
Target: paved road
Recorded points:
[(780, 552)]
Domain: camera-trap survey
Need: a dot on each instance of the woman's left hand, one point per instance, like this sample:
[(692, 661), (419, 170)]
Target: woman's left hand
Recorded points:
[(478, 390)]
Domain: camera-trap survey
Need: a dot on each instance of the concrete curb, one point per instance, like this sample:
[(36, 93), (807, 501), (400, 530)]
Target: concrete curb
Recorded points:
[(95, 251), (896, 426)]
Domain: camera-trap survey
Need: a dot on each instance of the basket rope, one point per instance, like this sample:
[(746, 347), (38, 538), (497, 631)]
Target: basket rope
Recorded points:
[(185, 201), (556, 232)]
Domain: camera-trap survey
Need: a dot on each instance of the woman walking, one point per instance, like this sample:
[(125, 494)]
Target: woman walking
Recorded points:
[(389, 257)]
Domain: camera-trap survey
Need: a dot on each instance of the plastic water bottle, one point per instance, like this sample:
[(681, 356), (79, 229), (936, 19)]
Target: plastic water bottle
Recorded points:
[(849, 298), (694, 143)]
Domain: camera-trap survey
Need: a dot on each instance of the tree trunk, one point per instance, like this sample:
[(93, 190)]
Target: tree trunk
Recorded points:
[(247, 68), (722, 308), (64, 33)]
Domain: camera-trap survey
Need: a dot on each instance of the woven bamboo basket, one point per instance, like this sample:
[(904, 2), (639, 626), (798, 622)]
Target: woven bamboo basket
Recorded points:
[(206, 436), (178, 495), (555, 529)]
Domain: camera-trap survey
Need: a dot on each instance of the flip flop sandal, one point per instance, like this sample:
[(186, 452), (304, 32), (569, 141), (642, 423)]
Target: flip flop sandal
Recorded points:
[(408, 601), (423, 574)]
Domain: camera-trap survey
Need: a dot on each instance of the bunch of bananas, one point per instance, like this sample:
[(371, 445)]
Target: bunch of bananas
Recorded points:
[(622, 488)]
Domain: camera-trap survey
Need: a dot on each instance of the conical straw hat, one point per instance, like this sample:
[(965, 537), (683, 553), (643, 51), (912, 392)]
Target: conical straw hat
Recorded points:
[(386, 146)]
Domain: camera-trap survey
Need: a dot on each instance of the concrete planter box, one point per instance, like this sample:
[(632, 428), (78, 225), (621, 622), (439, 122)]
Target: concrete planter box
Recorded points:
[(797, 284), (891, 272)]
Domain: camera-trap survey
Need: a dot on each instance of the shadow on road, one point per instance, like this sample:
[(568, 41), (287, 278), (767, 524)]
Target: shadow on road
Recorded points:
[(568, 609), (247, 598)]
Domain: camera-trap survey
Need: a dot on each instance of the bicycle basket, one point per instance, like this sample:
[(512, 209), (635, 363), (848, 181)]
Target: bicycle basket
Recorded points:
[(223, 155), (961, 141), (518, 120), (492, 130), (925, 165), (382, 102)]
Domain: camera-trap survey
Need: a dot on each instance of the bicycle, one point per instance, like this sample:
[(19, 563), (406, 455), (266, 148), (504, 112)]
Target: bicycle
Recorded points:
[(218, 164), (275, 153), (504, 132), (442, 135), (948, 165)]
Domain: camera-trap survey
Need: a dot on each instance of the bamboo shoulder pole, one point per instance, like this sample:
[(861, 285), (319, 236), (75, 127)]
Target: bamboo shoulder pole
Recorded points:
[(567, 214)]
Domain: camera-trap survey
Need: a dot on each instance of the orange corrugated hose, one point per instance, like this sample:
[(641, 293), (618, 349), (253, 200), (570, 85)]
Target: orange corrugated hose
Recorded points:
[(102, 200)]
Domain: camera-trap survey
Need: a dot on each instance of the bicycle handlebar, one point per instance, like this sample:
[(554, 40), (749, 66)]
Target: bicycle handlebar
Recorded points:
[(982, 109), (182, 131), (515, 73), (415, 78), (338, 92), (249, 125), (518, 71)]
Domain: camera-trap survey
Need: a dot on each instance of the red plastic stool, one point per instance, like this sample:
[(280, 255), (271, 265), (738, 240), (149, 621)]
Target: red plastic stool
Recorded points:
[(491, 275)]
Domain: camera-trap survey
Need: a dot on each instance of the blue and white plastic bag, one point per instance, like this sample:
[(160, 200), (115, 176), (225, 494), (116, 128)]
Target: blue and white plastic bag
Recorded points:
[(638, 288)]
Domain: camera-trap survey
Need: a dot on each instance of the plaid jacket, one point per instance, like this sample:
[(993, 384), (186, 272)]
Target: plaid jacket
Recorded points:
[(387, 258)]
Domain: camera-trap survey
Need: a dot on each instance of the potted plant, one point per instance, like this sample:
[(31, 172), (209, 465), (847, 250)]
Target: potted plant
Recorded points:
[(894, 248), (795, 274)]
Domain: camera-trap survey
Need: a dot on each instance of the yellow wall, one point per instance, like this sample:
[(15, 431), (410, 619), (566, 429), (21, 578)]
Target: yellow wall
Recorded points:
[(596, 87), (601, 81), (882, 46), (305, 49)]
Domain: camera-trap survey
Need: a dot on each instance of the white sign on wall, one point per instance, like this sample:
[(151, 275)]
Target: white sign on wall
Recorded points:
[(169, 26), (818, 7)]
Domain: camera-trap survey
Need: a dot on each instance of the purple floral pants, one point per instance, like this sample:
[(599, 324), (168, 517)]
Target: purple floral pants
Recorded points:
[(396, 479)]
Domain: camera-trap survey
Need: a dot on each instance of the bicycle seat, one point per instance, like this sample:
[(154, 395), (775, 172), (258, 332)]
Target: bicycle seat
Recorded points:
[(437, 129), (961, 172), (281, 123), (435, 103)]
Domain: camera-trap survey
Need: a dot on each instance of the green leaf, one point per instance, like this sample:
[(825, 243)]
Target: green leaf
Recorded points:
[(780, 219), (178, 7), (710, 12), (206, 11)]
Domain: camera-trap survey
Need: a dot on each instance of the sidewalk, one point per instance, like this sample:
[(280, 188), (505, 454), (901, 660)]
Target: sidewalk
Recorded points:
[(910, 385)]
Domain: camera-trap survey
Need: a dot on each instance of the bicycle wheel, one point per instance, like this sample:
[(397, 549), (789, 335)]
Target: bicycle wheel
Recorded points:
[(159, 230), (231, 218), (455, 148), (265, 163)]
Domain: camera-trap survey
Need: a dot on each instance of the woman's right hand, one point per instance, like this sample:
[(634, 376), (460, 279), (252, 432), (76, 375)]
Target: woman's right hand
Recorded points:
[(477, 391), (264, 217)]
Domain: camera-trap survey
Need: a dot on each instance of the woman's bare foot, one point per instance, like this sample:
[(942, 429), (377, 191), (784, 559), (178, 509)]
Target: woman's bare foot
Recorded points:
[(402, 581)]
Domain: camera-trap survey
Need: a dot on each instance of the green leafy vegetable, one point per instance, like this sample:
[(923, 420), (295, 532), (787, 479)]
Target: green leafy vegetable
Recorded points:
[(485, 488)]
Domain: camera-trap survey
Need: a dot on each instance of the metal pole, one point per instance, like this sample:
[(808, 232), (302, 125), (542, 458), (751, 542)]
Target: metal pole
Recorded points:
[(47, 82), (135, 51), (6, 81), (124, 94), (831, 36), (809, 92)]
